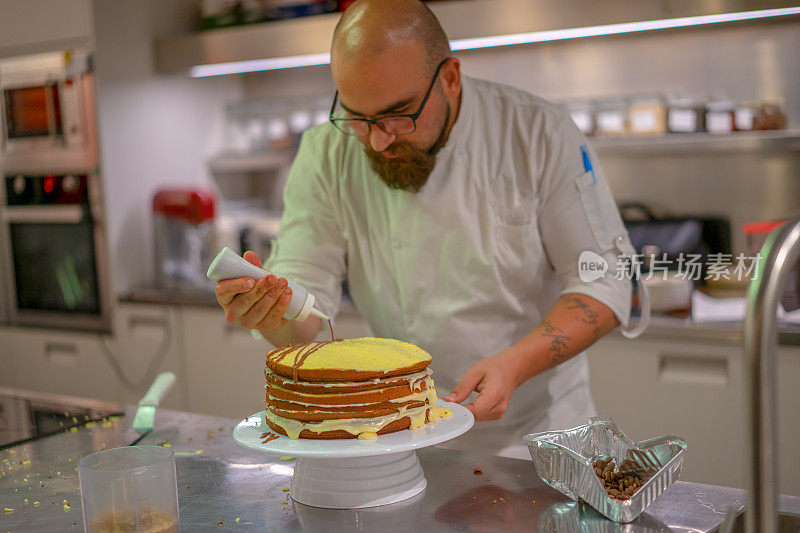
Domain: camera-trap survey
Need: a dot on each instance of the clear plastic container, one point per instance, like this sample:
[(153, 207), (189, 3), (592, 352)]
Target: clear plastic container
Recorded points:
[(129, 489)]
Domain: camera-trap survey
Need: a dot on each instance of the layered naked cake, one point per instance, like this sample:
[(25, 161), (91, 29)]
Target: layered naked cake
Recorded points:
[(352, 388)]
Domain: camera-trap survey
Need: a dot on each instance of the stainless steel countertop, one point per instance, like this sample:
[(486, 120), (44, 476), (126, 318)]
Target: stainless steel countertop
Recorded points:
[(220, 482), (727, 332), (660, 325)]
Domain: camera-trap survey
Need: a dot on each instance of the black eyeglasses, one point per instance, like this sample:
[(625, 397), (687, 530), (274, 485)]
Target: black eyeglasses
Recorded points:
[(391, 125)]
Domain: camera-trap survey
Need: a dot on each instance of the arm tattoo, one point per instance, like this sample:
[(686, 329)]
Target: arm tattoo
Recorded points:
[(558, 341), (590, 316)]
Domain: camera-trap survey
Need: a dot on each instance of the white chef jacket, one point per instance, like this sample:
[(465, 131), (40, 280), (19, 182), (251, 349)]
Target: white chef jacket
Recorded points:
[(471, 263)]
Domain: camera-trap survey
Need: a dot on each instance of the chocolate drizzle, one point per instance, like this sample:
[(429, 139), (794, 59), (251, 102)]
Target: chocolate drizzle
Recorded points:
[(268, 436), (304, 349), (330, 325)]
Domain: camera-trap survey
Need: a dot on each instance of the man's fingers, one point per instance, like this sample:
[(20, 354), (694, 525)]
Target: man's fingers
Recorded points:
[(252, 257), (275, 314), (242, 303), (488, 405), (227, 289), (465, 386), (253, 317)]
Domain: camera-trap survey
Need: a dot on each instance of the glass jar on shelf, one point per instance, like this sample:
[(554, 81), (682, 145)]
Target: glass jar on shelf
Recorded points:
[(752, 116), (685, 114), (647, 115), (720, 116), (611, 117), (582, 115)]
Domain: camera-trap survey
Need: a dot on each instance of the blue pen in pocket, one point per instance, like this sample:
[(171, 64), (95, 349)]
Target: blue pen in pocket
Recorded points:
[(587, 163)]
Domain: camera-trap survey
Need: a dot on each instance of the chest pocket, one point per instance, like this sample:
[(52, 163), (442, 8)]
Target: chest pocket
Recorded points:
[(511, 203), (516, 246), (597, 210)]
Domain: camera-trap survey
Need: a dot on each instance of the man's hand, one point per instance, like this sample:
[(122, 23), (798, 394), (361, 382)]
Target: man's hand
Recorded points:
[(573, 324), (255, 304), (494, 379)]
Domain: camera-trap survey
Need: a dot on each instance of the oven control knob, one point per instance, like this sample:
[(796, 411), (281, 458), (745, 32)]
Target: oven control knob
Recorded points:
[(70, 183), (19, 185)]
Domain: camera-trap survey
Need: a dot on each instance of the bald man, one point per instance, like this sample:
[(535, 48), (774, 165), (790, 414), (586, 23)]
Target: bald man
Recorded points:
[(456, 209)]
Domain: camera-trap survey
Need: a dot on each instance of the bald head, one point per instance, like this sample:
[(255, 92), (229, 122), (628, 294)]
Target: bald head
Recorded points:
[(370, 29)]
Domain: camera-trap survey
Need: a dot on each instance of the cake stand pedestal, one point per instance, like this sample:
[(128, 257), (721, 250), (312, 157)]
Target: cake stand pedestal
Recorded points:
[(352, 473)]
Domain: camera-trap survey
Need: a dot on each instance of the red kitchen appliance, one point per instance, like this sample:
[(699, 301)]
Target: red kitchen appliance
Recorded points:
[(183, 226), (756, 234)]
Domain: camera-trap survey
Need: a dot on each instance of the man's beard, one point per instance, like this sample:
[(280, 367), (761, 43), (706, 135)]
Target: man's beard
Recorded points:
[(408, 171)]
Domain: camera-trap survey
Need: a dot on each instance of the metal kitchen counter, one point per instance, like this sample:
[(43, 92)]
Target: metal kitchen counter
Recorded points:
[(223, 487), (660, 325)]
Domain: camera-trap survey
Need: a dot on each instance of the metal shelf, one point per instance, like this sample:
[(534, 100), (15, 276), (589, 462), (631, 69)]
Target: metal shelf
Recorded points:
[(486, 18), (735, 142), (250, 163)]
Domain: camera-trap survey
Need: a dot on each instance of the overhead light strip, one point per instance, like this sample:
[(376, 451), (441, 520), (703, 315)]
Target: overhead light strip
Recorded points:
[(257, 65), (277, 63), (615, 29)]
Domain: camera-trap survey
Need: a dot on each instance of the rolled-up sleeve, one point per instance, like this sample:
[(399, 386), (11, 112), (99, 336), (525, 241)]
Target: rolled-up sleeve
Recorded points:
[(578, 214), (310, 248)]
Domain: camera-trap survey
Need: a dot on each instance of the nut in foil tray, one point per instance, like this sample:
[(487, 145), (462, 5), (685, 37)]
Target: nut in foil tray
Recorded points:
[(564, 460)]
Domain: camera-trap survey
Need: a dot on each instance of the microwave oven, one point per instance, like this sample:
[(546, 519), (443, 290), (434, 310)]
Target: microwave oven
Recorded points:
[(47, 112)]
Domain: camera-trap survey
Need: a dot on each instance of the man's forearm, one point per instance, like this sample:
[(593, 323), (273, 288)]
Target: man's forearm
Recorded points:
[(574, 323), (294, 332)]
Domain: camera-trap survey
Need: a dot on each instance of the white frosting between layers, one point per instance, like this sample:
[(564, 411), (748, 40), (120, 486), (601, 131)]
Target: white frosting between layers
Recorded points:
[(354, 426), (365, 426)]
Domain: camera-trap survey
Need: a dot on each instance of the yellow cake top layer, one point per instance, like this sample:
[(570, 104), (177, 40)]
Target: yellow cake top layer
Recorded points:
[(370, 354)]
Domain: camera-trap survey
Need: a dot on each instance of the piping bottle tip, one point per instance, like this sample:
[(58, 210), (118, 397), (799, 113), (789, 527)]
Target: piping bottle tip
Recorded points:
[(315, 312)]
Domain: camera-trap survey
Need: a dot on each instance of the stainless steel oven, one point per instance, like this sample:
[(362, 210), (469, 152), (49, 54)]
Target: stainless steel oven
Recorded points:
[(55, 251), (53, 256)]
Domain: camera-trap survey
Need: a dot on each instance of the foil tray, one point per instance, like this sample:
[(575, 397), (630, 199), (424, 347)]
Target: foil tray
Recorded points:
[(563, 460)]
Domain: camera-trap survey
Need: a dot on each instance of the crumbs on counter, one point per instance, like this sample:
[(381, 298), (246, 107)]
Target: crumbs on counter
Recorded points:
[(285, 489), (220, 523), (196, 452), (478, 471), (287, 458)]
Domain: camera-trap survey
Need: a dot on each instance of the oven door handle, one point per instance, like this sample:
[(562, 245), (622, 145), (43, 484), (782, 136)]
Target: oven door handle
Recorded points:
[(50, 103), (65, 214)]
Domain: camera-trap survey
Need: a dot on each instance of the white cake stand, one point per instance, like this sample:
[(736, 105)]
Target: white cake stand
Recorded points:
[(352, 473)]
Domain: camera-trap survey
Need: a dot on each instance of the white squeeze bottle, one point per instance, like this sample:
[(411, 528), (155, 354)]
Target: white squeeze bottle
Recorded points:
[(228, 264)]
